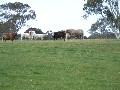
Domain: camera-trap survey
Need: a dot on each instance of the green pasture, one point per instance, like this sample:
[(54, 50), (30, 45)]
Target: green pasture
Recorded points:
[(59, 65)]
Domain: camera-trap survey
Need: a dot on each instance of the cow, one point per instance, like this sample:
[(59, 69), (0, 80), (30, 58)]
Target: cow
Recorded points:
[(32, 35), (40, 36), (25, 36), (59, 34), (79, 33), (28, 35), (9, 36)]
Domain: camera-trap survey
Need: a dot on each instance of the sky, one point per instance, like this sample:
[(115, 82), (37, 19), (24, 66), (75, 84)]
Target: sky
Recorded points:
[(57, 15)]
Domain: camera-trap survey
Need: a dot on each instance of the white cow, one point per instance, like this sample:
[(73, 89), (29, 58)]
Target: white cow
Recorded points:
[(25, 36), (32, 35), (40, 36)]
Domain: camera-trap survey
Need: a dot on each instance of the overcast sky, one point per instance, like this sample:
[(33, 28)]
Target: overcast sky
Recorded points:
[(57, 15)]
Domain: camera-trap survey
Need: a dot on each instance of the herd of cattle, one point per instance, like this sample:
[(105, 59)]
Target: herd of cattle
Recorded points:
[(31, 35)]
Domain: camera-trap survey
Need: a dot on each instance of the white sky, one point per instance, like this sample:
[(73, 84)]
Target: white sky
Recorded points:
[(57, 15)]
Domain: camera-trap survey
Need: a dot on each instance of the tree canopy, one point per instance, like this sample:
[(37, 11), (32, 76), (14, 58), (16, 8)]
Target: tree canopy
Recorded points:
[(108, 11), (37, 30), (14, 15)]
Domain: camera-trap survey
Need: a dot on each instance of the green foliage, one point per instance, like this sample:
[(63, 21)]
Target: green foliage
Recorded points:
[(15, 15), (17, 7), (49, 65), (37, 30), (100, 26), (108, 10), (92, 6), (107, 35)]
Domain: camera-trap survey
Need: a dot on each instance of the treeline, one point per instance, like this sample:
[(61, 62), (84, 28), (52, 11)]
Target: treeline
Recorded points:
[(108, 35)]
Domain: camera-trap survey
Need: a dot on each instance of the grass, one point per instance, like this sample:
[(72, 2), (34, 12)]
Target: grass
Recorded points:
[(59, 65)]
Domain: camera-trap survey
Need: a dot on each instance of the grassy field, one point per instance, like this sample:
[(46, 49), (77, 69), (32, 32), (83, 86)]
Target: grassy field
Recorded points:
[(59, 65)]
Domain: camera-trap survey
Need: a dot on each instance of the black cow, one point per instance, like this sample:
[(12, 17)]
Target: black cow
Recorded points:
[(9, 36), (60, 34)]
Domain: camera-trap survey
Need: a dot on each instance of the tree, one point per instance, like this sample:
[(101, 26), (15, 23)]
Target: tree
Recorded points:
[(37, 30), (108, 11), (14, 15), (108, 35)]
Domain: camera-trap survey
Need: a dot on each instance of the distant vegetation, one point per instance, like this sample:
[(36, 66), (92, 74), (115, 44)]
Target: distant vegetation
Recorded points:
[(13, 16), (108, 16), (108, 35)]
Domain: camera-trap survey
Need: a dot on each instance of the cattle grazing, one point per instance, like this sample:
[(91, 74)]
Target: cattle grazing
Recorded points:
[(32, 34), (40, 36), (9, 36), (28, 35), (25, 36), (79, 33), (60, 34)]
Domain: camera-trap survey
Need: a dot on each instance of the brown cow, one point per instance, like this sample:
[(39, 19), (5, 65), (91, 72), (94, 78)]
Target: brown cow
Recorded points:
[(9, 36)]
